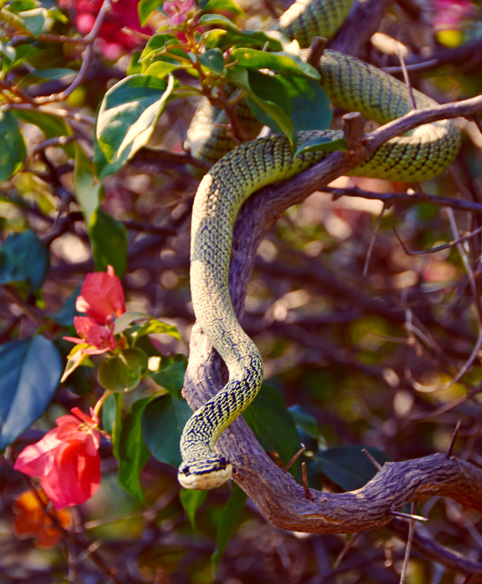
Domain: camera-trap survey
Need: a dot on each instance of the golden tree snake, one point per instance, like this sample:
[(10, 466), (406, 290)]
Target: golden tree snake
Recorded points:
[(353, 86)]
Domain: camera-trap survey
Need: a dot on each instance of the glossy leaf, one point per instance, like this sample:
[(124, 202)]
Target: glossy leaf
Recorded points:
[(213, 59), (191, 500), (163, 420), (170, 376), (323, 143), (88, 191), (310, 106), (272, 423), (126, 319), (123, 371), (132, 452), (146, 7), (156, 327), (23, 258), (227, 5), (12, 145), (31, 371), (267, 99), (254, 59), (128, 115), (109, 242), (227, 520), (348, 467), (112, 420)]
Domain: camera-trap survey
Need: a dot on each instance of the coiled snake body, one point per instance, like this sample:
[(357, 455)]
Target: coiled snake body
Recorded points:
[(351, 85)]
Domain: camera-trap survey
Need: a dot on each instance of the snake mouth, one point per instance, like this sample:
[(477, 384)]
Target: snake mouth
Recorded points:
[(204, 474)]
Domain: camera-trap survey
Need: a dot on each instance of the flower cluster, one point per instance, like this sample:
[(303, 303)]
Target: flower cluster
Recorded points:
[(102, 299), (66, 460), (177, 10), (450, 18)]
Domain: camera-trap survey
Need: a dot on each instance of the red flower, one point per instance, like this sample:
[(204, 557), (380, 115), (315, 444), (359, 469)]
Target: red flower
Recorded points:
[(101, 296), (113, 41), (66, 460), (177, 10)]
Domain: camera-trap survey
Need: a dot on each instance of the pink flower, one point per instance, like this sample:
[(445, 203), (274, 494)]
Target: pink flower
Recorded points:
[(102, 299), (112, 39), (177, 10), (451, 14), (66, 460)]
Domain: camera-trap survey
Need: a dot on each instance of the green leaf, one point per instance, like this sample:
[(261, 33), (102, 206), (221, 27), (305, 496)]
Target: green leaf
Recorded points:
[(33, 20), (328, 142), (228, 5), (112, 420), (123, 371), (12, 145), (348, 467), (109, 242), (267, 99), (272, 423), (310, 106), (162, 423), (307, 427), (228, 519), (213, 59), (191, 501), (146, 7), (156, 45), (87, 192), (230, 35), (280, 61), (156, 327), (161, 68), (65, 316), (170, 375), (31, 371), (23, 258), (133, 453), (128, 115), (121, 323)]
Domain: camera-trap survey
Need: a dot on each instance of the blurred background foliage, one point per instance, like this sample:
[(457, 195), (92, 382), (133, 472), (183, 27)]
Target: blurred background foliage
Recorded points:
[(359, 337)]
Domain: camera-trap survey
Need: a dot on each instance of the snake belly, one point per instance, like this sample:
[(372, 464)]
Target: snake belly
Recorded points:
[(352, 85)]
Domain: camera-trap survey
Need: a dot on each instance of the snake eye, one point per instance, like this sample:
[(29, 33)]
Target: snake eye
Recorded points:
[(185, 470), (223, 462)]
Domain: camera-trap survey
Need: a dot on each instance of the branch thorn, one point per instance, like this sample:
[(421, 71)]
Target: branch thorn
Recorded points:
[(294, 458), (375, 462), (448, 454), (308, 495)]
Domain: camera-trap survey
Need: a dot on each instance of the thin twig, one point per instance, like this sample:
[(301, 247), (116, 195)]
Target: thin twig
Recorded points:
[(305, 482), (295, 457), (439, 247), (407, 80), (372, 459), (372, 241), (448, 454), (408, 549)]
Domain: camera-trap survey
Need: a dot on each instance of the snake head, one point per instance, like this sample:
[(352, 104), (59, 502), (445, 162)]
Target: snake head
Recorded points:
[(204, 473)]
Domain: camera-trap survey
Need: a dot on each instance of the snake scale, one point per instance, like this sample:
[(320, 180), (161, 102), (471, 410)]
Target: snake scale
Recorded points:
[(352, 85)]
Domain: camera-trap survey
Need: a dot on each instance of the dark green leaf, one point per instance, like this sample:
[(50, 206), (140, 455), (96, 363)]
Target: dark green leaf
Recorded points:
[(128, 115), (191, 501), (267, 99), (112, 420), (310, 106), (33, 20), (65, 316), (227, 520), (213, 59), (23, 258), (31, 371), (348, 467), (254, 59), (230, 35), (109, 242), (328, 142), (162, 423), (228, 5), (123, 371), (12, 145), (170, 376), (133, 453), (156, 45), (272, 423), (146, 7)]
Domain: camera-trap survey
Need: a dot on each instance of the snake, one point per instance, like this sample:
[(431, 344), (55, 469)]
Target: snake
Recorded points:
[(351, 84)]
